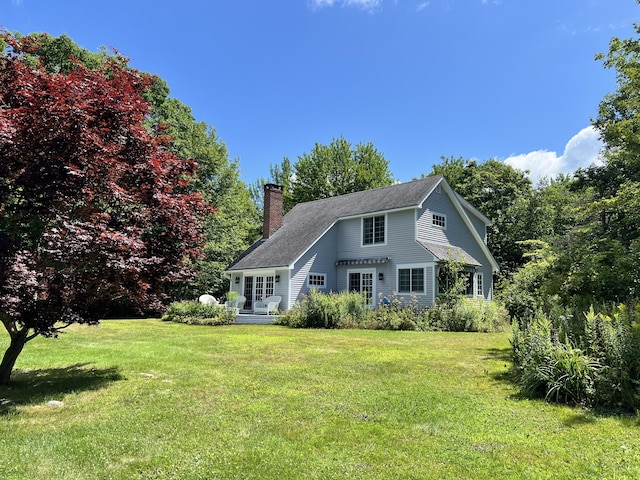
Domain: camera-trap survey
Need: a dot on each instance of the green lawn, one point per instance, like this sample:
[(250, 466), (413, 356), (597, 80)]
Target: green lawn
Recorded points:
[(147, 399)]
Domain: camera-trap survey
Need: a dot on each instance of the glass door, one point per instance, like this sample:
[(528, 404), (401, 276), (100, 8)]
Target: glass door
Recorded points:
[(257, 288), (248, 293), (361, 281)]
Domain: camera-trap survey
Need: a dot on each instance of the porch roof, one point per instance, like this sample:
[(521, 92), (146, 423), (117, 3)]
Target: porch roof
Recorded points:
[(444, 252)]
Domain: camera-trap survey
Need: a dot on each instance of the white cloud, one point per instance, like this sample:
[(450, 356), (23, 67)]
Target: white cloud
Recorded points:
[(422, 6), (321, 3), (367, 5), (581, 151)]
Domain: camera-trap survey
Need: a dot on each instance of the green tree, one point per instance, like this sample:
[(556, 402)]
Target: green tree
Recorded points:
[(235, 223), (326, 171), (280, 174), (60, 54), (529, 288), (599, 258), (551, 211), (336, 169)]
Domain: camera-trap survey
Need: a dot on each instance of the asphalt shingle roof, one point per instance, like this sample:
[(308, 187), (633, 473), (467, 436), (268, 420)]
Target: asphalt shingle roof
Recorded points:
[(450, 252), (306, 222)]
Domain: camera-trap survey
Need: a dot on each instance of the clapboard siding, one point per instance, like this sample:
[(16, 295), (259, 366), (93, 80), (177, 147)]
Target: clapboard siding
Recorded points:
[(479, 225), (401, 247), (319, 259), (457, 233)]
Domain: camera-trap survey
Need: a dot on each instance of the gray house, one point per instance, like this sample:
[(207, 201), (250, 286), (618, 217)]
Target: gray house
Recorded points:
[(381, 242)]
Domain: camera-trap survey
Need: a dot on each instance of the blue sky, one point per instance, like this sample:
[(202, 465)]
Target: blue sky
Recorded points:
[(421, 79)]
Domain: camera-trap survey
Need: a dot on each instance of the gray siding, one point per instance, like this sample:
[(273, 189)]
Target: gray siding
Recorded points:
[(479, 225), (343, 241), (456, 233), (401, 247), (321, 258)]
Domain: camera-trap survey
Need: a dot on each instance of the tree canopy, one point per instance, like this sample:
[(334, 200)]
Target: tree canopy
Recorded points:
[(235, 223), (338, 168), (93, 206), (328, 171), (601, 255)]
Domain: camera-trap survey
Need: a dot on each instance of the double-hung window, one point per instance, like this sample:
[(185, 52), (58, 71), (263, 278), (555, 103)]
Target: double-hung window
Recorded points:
[(411, 279), (479, 286), (373, 230)]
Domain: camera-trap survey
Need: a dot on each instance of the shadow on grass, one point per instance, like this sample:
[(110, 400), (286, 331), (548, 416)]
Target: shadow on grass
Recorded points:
[(508, 375), (499, 354), (33, 387)]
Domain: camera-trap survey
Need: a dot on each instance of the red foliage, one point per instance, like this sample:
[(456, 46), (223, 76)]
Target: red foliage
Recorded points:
[(93, 207)]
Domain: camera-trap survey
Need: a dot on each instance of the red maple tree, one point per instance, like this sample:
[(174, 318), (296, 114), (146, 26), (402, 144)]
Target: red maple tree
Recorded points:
[(93, 206)]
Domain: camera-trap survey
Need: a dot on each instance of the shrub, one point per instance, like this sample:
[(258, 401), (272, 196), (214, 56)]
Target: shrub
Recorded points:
[(467, 315), (348, 310), (392, 313), (195, 313), (591, 359), (318, 310)]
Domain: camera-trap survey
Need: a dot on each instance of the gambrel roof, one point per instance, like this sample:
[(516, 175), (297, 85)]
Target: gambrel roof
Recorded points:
[(307, 222)]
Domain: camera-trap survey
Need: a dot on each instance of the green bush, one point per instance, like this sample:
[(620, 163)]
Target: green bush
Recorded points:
[(392, 313), (348, 310), (318, 310), (467, 315), (195, 313), (591, 359)]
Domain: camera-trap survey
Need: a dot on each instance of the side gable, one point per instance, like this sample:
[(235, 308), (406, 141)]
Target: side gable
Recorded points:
[(483, 246), (438, 242)]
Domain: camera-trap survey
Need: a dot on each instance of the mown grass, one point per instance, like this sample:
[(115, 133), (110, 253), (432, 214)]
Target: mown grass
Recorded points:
[(150, 399)]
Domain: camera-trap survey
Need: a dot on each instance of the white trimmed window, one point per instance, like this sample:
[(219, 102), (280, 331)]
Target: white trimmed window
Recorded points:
[(411, 279), (439, 220), (479, 287), (373, 231), (317, 280)]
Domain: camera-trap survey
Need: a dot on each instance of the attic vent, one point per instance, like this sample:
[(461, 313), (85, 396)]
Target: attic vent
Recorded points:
[(438, 189)]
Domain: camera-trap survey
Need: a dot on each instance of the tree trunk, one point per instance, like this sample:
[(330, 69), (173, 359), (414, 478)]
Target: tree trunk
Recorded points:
[(18, 341)]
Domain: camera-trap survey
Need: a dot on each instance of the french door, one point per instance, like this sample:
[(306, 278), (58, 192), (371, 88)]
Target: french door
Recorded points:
[(257, 288), (361, 281), (248, 293)]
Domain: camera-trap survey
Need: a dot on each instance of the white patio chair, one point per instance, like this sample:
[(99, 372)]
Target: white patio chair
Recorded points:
[(268, 306)]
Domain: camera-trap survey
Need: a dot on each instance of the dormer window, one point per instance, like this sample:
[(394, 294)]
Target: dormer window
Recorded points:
[(439, 220), (373, 230)]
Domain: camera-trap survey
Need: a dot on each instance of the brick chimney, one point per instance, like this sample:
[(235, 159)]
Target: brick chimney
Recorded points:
[(272, 209)]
